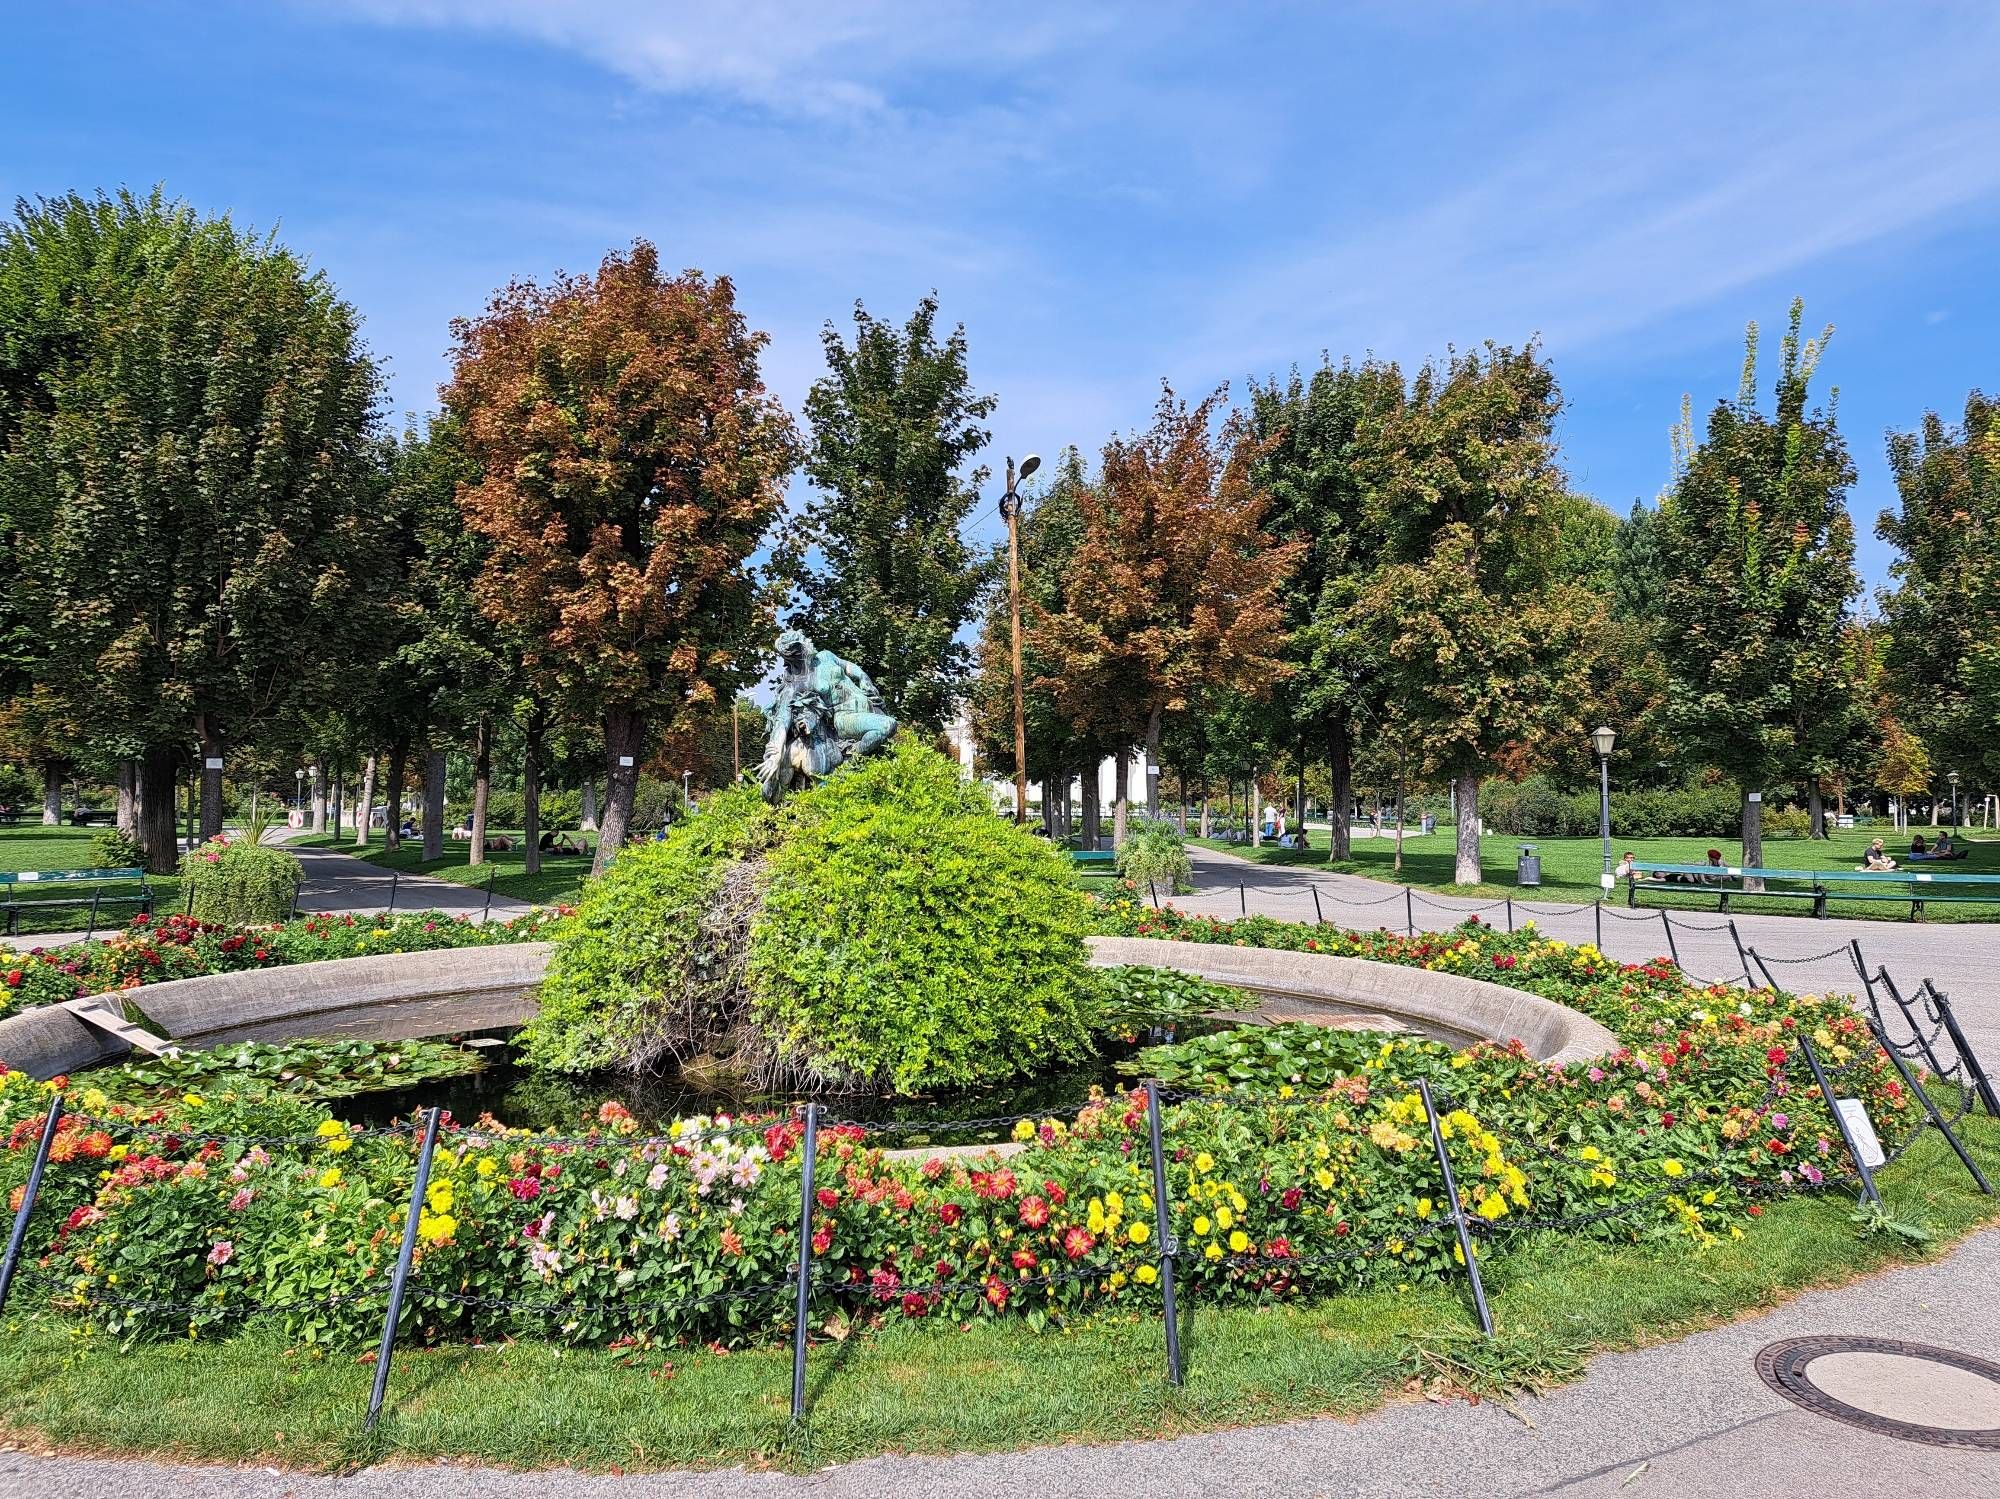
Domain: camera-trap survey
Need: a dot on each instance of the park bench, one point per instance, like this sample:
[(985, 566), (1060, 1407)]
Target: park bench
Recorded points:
[(1082, 857), (12, 905), (88, 817), (1918, 887)]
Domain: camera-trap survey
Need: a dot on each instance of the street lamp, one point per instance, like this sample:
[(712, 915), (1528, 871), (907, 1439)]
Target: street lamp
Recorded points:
[(1953, 778), (1603, 740), (685, 777), (1010, 507), (298, 790)]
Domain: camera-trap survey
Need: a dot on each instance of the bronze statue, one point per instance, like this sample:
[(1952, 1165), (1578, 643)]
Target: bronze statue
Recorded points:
[(826, 713)]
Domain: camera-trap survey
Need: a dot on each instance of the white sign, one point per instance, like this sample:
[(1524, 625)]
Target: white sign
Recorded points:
[(213, 762), (1609, 881), (1754, 796), (1854, 1114), (624, 759)]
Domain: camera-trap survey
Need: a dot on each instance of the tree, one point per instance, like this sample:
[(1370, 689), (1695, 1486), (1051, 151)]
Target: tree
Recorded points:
[(1315, 460), (631, 461), (1759, 558), (893, 424), (1943, 609), (183, 461), (1476, 632), (1175, 587)]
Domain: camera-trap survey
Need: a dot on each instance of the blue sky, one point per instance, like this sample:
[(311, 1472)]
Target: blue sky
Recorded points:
[(1106, 195)]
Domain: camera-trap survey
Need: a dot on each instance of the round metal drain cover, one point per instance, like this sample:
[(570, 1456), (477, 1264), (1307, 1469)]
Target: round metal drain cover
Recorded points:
[(1908, 1390)]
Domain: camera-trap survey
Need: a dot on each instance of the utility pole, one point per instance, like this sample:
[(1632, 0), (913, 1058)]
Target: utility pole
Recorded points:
[(1010, 506)]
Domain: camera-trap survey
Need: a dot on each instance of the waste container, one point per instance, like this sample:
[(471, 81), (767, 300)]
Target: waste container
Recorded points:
[(1528, 866)]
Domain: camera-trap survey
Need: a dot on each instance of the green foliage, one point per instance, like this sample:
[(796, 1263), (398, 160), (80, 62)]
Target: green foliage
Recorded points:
[(309, 1069), (633, 976), (893, 422), (1132, 997), (1306, 1058), (1155, 855), (239, 884), (111, 849), (911, 939), (1535, 808)]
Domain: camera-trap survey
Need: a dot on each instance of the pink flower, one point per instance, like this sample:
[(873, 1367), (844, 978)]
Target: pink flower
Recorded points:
[(222, 1252), (241, 1200)]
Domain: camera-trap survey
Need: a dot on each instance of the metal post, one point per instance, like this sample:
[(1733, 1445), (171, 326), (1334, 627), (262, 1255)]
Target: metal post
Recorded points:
[(1741, 956), (401, 1279), (804, 1289), (1667, 925), (1162, 1230), (1597, 921), (95, 896), (487, 910), (1916, 1025), (1155, 892), (28, 1194), (1242, 899), (1930, 1108), (1409, 911), (1510, 915), (1457, 1212), (394, 876), (1770, 979), (1979, 1078), (1868, 1192), (1319, 916), (1604, 813)]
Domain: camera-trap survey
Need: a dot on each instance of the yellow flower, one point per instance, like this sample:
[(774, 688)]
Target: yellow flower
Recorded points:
[(1137, 1232), (1672, 1167), (1494, 1206), (95, 1099), (330, 1177), (1204, 1163), (487, 1166), (436, 1228), (192, 1100), (1226, 1218), (1603, 1176), (1423, 1207), (1145, 1275), (1237, 1198), (1213, 1252), (1201, 1223), (118, 1152), (1590, 1153), (1239, 1241), (328, 1128), (441, 1197), (1324, 1178), (1024, 1129)]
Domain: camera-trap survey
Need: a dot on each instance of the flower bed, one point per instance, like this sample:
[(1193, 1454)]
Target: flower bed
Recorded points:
[(1321, 1184), (154, 950)]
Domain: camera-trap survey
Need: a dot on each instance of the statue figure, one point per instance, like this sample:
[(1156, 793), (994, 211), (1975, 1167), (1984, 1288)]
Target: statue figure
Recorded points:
[(826, 713)]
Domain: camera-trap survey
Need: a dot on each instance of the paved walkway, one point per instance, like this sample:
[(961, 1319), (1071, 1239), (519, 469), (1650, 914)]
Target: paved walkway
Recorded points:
[(1686, 1418), (1805, 954)]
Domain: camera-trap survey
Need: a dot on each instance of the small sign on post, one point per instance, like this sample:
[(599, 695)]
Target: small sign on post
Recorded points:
[(213, 762), (1854, 1113)]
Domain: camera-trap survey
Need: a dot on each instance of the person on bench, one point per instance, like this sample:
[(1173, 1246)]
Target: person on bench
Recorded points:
[(558, 843), (1877, 860)]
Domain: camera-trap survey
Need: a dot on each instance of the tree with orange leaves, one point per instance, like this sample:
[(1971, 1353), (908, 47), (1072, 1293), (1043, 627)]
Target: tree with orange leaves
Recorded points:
[(631, 462), (1175, 587)]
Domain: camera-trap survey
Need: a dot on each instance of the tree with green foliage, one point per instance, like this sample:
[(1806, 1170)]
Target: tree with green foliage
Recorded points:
[(1943, 606), (184, 424), (1758, 553), (630, 463), (894, 422), (1316, 459), (1477, 633)]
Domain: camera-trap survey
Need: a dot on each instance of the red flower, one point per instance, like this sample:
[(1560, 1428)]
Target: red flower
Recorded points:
[(732, 1242), (827, 1198), (915, 1305), (525, 1188), (1034, 1212), (996, 1292), (933, 1168), (1055, 1193), (822, 1240), (1077, 1241), (950, 1213), (1776, 1056), (884, 1284), (1024, 1260), (14, 977), (1292, 1198)]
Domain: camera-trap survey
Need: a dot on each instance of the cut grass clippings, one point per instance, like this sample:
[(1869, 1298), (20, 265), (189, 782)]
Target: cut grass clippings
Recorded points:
[(914, 1387)]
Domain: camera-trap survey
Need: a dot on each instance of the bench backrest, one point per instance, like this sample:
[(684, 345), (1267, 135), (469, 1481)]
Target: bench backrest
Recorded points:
[(1820, 876), (55, 876)]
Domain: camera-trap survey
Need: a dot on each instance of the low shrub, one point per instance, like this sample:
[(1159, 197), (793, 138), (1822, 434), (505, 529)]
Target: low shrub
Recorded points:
[(239, 883), (1535, 808), (111, 849), (1154, 857)]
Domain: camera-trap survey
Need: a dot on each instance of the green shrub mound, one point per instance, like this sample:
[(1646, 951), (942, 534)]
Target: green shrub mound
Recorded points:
[(883, 930), (239, 884)]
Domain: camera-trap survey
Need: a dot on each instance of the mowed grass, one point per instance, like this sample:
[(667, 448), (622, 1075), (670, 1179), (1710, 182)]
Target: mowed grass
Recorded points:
[(1571, 867), (31, 846), (559, 879), (932, 1388)]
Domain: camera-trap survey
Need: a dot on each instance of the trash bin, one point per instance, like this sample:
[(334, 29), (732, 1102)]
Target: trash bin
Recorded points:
[(1528, 866)]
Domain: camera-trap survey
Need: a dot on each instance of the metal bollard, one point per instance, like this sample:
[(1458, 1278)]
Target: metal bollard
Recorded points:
[(1457, 1212), (1409, 911), (401, 1279), (1162, 1230), (1868, 1192), (1319, 916), (804, 1290), (1930, 1108), (28, 1195), (1979, 1078)]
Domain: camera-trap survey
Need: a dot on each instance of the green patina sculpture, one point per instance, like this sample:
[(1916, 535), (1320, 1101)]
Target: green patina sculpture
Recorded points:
[(826, 713)]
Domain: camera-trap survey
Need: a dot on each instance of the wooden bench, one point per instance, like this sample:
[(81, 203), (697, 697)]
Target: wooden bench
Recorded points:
[(1918, 887), (12, 881)]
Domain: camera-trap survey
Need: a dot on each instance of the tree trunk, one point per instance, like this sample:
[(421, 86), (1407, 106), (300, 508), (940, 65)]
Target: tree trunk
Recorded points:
[(1205, 812), (1815, 809), (157, 779), (1121, 803), (434, 805), (1152, 766), (588, 819), (1399, 817), (317, 780), (1093, 796), (482, 785), (1465, 802), (399, 764), (1180, 780), (531, 791), (1340, 761), (1253, 796), (1299, 794), (339, 795), (128, 799), (624, 734), (1753, 837), (210, 738), (364, 814), (51, 793)]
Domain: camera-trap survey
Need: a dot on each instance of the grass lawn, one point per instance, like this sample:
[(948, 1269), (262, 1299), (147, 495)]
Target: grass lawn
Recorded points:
[(1571, 866), (559, 880), (925, 1388), (34, 846)]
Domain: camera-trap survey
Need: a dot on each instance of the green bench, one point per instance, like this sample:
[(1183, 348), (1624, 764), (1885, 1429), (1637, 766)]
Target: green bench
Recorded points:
[(11, 883), (1917, 887), (1083, 858)]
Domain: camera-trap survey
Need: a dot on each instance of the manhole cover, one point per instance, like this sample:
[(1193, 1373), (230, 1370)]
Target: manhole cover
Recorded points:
[(1896, 1389)]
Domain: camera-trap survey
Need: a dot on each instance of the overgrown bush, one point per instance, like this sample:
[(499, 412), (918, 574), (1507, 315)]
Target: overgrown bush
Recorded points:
[(1155, 856), (912, 939), (1535, 808), (239, 884), (111, 849)]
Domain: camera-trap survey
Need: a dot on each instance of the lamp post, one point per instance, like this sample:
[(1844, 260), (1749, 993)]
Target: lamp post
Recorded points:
[(298, 790), (686, 777), (1953, 778), (1010, 507), (1603, 740)]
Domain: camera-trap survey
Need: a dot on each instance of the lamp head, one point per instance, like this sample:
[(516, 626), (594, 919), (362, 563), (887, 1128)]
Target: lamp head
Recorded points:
[(1604, 740), (1029, 464)]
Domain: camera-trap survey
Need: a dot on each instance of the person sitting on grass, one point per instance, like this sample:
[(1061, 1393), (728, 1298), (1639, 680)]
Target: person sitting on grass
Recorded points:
[(498, 843), (558, 843), (1944, 848), (1877, 860), (1921, 850)]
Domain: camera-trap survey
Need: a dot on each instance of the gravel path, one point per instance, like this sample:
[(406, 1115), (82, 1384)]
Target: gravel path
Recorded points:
[(1686, 1418)]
